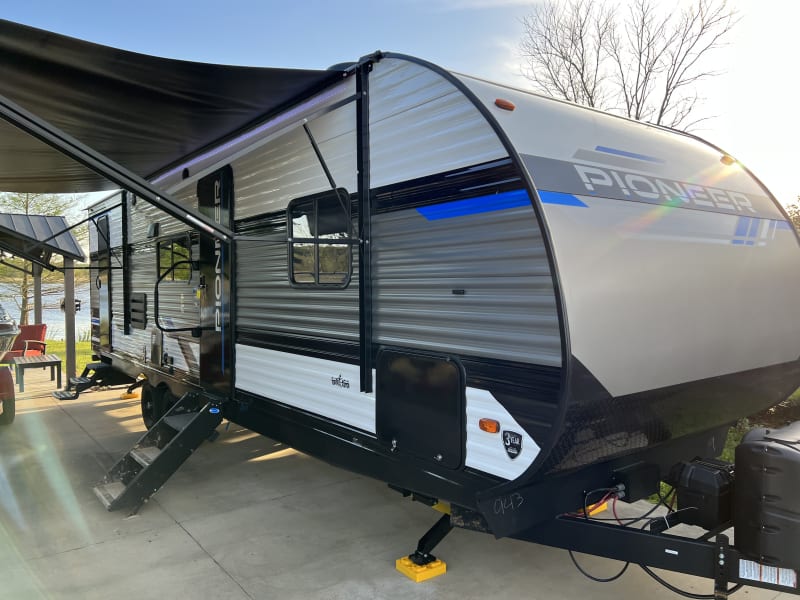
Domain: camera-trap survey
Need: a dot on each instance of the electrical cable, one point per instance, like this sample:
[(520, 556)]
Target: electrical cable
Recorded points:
[(668, 503), (684, 593), (610, 492), (598, 579), (626, 522)]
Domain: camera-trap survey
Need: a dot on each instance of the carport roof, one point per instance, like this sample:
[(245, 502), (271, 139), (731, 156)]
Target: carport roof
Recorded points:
[(38, 237)]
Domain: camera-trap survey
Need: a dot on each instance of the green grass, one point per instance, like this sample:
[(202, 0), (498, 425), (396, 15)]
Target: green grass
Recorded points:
[(83, 351)]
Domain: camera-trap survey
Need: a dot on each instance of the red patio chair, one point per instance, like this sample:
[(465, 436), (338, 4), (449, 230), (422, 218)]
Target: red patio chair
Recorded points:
[(29, 342)]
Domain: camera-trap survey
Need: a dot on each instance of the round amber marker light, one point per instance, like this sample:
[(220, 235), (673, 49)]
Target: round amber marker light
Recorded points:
[(489, 425)]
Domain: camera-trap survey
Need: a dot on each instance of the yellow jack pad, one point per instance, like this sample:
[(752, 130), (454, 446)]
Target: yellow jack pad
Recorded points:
[(419, 573), (127, 396)]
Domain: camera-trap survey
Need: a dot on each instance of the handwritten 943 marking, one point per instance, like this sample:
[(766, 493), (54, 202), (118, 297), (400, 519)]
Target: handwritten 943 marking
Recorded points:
[(508, 503)]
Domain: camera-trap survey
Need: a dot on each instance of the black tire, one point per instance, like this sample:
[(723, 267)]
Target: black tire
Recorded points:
[(156, 401), (9, 411), (8, 401), (148, 404)]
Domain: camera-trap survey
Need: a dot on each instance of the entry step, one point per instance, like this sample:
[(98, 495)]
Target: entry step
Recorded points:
[(141, 471), (76, 381), (64, 395), (178, 422), (108, 492), (146, 455)]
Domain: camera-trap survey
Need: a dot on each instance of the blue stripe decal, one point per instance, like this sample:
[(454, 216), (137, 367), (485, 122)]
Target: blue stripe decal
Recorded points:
[(748, 230), (627, 154), (561, 198), (742, 226), (474, 206)]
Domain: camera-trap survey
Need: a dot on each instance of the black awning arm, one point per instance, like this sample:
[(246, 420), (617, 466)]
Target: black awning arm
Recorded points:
[(30, 259), (102, 165), (13, 266)]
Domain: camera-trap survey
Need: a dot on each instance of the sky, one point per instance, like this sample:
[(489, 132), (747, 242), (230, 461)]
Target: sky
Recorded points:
[(753, 101)]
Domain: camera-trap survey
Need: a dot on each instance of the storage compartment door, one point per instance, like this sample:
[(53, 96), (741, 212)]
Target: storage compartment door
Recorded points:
[(420, 406)]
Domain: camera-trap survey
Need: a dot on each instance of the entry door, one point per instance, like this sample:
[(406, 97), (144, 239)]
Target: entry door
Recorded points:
[(101, 322)]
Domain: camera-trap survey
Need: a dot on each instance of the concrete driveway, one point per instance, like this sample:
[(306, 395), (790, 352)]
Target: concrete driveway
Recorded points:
[(244, 518)]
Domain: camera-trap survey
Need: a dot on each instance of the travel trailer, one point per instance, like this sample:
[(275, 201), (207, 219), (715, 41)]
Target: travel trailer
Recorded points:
[(505, 305)]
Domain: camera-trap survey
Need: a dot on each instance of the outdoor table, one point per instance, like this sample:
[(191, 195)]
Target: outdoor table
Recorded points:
[(41, 360)]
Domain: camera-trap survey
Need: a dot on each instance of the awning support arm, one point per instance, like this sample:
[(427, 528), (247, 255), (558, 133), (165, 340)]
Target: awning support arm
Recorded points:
[(102, 165)]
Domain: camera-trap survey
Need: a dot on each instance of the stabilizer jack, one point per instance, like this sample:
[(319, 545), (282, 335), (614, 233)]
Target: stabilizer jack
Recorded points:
[(422, 565)]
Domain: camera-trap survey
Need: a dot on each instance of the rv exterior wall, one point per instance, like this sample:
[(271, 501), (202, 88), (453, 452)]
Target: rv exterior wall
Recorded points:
[(143, 215), (666, 255), (268, 178), (421, 126), (114, 222)]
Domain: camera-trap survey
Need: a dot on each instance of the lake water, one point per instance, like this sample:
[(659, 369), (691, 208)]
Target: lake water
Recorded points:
[(52, 314)]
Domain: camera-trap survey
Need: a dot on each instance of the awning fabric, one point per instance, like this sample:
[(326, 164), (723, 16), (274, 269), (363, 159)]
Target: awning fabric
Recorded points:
[(32, 237), (141, 111)]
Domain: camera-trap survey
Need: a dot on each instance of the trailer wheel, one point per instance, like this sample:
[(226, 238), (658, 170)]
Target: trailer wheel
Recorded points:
[(7, 397), (148, 405), (156, 401)]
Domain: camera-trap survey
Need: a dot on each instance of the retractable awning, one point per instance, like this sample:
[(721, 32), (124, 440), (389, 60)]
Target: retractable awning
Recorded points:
[(142, 112), (37, 238)]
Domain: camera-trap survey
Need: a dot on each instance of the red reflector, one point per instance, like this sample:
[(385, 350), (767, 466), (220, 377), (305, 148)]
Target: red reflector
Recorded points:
[(504, 104), (489, 425)]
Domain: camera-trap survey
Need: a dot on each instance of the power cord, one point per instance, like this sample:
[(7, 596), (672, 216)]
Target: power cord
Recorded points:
[(684, 593), (618, 492), (598, 579)]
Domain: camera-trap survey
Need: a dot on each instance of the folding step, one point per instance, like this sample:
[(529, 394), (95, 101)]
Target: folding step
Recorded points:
[(109, 492), (159, 452), (178, 422), (76, 381), (95, 373), (145, 456)]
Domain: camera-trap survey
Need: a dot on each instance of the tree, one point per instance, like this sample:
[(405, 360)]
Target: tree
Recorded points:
[(641, 62), (794, 213), (16, 274)]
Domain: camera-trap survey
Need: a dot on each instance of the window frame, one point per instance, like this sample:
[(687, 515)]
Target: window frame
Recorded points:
[(169, 244), (342, 197)]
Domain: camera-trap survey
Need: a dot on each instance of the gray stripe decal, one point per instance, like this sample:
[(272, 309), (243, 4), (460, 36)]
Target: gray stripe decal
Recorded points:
[(620, 184)]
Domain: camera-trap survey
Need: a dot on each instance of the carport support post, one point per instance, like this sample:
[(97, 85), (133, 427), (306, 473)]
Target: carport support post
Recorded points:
[(69, 315), (37, 293)]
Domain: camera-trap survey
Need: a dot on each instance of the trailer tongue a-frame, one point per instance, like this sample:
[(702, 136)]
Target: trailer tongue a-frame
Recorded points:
[(511, 308)]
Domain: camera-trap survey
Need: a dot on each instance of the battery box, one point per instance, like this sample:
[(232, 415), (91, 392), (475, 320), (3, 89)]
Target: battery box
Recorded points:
[(767, 498), (705, 492)]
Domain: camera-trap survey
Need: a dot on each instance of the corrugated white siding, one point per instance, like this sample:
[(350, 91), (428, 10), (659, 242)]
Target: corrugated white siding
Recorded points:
[(143, 214), (267, 303), (306, 383), (267, 179), (507, 309), (142, 277), (114, 222), (421, 124)]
